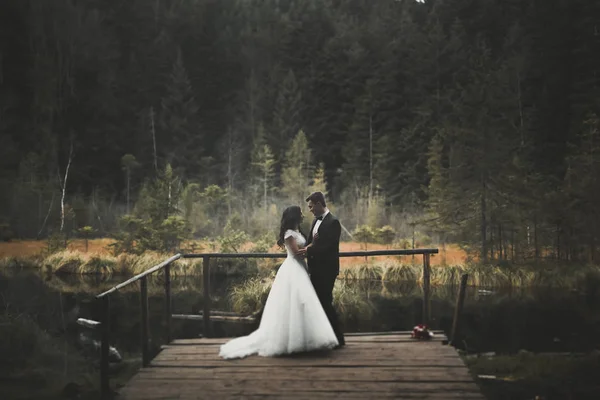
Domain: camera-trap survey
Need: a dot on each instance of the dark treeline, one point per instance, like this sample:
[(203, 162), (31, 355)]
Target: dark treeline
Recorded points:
[(476, 120)]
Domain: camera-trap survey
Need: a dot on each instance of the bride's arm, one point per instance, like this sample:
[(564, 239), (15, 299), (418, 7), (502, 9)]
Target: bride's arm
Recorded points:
[(291, 242), (299, 256)]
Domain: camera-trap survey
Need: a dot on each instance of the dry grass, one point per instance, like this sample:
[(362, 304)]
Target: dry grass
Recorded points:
[(573, 276), (381, 269), (99, 261), (248, 297), (28, 248), (75, 262), (97, 284), (453, 255)]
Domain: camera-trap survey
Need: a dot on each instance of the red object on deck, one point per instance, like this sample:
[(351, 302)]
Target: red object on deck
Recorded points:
[(421, 332)]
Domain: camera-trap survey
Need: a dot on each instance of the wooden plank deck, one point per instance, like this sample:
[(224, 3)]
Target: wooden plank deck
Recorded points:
[(368, 367)]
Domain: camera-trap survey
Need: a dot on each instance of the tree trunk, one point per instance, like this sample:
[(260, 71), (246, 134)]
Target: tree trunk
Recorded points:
[(128, 172), (484, 254), (370, 159), (252, 104), (39, 218), (444, 255), (501, 247), (153, 131), (570, 245), (47, 215), (558, 255), (64, 189), (521, 124), (265, 191), (535, 239), (229, 173), (591, 249), (491, 243), (169, 199), (413, 240), (95, 207), (512, 244)]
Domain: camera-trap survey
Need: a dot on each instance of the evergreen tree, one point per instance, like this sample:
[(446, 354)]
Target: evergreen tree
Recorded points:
[(263, 169), (287, 115), (319, 183), (296, 175), (181, 139), (128, 163), (583, 185)]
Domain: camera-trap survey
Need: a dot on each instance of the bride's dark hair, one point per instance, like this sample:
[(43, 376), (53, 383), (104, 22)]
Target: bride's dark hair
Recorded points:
[(290, 219)]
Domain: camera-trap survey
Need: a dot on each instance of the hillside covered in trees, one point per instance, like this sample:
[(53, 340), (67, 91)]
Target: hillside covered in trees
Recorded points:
[(475, 121)]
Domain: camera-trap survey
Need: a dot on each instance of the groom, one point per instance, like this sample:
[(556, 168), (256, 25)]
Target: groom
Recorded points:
[(323, 255)]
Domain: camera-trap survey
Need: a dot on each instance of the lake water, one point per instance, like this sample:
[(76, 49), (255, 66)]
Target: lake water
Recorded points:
[(504, 321)]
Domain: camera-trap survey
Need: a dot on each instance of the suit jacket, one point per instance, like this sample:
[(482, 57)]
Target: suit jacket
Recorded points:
[(324, 255)]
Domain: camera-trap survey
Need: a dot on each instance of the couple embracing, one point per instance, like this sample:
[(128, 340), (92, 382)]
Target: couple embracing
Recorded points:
[(299, 315)]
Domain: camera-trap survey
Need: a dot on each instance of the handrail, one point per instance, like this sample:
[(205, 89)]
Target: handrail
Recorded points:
[(140, 276), (206, 317), (370, 253)]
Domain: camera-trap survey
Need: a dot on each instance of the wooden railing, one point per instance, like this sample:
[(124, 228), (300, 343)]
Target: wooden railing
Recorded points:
[(104, 298)]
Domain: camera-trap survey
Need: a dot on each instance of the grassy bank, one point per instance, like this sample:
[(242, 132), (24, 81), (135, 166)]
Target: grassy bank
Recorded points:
[(76, 262), (99, 261), (449, 255), (584, 277), (560, 275)]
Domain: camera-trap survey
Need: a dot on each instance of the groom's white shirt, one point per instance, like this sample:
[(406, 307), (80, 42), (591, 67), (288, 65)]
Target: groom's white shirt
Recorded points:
[(318, 223)]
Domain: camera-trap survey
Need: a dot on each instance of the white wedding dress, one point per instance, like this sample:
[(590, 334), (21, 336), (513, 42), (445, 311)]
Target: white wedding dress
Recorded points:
[(292, 321)]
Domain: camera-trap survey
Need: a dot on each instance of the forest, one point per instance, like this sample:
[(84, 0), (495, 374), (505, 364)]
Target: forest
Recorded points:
[(474, 122)]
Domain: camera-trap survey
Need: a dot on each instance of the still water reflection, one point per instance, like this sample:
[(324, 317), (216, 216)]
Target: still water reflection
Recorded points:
[(537, 319), (40, 338)]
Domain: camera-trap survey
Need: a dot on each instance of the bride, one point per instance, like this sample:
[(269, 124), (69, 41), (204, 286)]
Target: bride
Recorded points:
[(293, 320)]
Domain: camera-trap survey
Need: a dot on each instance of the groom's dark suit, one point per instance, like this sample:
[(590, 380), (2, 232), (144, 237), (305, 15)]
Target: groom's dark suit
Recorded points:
[(324, 266)]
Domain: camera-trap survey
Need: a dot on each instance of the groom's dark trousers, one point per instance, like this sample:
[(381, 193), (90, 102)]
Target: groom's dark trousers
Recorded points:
[(324, 266), (324, 288)]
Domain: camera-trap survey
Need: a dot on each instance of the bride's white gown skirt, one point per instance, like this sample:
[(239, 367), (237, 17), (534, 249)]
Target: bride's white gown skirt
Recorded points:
[(293, 320)]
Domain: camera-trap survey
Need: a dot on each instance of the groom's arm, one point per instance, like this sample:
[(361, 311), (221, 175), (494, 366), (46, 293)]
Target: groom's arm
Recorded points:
[(327, 241)]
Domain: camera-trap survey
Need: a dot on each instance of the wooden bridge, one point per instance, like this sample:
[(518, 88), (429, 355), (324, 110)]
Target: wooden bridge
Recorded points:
[(390, 366), (371, 366)]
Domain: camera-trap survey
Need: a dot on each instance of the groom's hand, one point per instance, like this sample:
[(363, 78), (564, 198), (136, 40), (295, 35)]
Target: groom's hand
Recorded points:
[(301, 252)]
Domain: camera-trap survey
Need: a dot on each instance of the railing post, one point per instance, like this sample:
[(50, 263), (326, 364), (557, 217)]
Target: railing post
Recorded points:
[(105, 327), (460, 301), (206, 295), (145, 330), (426, 285), (168, 310)]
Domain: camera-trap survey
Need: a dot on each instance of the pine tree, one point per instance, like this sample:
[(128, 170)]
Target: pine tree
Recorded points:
[(233, 161), (319, 183), (180, 131), (128, 164), (263, 169), (583, 185), (296, 175), (363, 135), (287, 115)]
